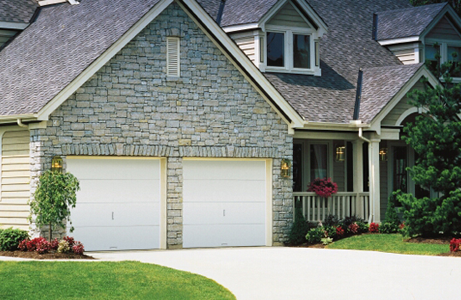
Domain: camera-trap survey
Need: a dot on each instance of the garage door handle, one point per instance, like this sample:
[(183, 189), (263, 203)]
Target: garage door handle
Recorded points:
[(112, 215), (224, 212)]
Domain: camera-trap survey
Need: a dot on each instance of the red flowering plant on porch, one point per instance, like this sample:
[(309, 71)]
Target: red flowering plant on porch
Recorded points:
[(323, 187)]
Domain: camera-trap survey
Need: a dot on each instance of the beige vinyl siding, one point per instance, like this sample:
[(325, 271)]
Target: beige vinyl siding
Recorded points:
[(406, 53), (288, 16), (400, 108), (443, 30), (5, 35), (15, 179), (383, 182), (246, 42)]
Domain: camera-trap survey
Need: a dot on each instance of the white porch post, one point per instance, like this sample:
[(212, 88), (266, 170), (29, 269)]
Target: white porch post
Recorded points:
[(373, 160), (358, 175)]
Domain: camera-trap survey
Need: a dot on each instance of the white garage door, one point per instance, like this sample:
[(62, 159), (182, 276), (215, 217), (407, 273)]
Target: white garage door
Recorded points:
[(118, 205), (224, 203)]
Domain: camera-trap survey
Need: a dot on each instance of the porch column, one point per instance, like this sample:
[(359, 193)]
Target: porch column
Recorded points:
[(373, 160), (358, 175)]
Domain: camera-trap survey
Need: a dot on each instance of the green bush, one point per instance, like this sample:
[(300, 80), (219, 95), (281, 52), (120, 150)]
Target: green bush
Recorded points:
[(10, 238), (330, 231), (299, 229), (315, 235), (391, 221)]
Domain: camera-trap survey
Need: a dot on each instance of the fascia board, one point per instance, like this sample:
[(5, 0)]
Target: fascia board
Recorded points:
[(271, 13), (332, 126), (238, 58), (242, 27), (13, 25), (422, 72), (102, 60), (400, 41), (323, 27)]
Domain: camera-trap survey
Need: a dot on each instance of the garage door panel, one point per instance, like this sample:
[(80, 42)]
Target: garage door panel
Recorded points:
[(120, 214), (223, 235), (112, 168), (225, 191), (240, 170), (118, 238), (224, 213), (117, 190)]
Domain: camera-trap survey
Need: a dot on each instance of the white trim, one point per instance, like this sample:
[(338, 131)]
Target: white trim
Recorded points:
[(13, 25), (237, 55), (399, 41), (324, 135), (51, 2), (243, 27), (102, 60), (163, 204), (390, 134), (422, 72), (269, 198), (405, 114)]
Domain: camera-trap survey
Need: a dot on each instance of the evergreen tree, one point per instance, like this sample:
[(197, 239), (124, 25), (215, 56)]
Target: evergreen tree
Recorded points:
[(436, 138)]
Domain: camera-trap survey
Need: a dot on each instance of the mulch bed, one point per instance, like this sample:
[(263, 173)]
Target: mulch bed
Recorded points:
[(35, 255)]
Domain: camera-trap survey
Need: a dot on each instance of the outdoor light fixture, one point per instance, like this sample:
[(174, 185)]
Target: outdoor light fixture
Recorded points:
[(56, 164), (285, 168), (340, 153), (383, 154)]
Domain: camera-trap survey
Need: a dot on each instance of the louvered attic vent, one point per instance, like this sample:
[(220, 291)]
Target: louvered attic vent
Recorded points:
[(172, 58)]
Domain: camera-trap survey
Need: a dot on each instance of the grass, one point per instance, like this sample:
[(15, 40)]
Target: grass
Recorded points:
[(392, 243), (103, 280)]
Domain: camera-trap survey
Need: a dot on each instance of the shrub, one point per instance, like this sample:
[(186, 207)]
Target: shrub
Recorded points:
[(10, 238), (23, 245), (374, 228), (329, 231), (54, 244), (315, 235), (354, 228), (331, 220), (387, 227), (339, 232), (299, 229), (69, 240), (78, 248), (40, 244), (63, 247), (327, 240), (454, 244), (363, 227)]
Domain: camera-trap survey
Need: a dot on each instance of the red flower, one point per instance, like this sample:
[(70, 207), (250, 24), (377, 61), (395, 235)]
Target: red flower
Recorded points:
[(454, 244), (323, 187), (339, 231), (374, 228)]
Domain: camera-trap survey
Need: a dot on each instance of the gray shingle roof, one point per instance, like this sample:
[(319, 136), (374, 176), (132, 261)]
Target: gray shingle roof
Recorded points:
[(18, 11), (381, 84), (401, 23), (238, 12), (347, 47), (63, 41)]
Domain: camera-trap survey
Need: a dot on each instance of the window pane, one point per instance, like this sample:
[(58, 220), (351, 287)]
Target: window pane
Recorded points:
[(318, 161), (431, 52), (454, 53), (275, 49), (301, 51)]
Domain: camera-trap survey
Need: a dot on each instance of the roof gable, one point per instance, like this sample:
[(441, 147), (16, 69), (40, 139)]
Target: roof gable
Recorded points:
[(289, 15), (444, 30)]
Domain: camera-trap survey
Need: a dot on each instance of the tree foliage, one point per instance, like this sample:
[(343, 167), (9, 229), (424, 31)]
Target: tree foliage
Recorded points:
[(456, 4), (436, 138), (53, 199)]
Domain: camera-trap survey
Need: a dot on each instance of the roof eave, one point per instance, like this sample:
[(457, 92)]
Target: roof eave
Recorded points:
[(401, 40)]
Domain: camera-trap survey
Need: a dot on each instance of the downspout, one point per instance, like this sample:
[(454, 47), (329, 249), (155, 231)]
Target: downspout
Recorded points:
[(358, 97), (20, 124)]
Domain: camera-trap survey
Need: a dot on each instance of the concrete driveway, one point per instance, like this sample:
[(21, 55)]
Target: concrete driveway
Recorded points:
[(301, 273)]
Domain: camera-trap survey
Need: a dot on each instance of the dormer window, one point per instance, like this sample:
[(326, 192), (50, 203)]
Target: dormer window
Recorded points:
[(289, 51)]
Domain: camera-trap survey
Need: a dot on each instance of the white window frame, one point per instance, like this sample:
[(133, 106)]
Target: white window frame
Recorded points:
[(288, 50), (171, 69), (444, 55)]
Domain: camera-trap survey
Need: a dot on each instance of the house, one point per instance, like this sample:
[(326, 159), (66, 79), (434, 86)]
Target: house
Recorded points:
[(181, 118)]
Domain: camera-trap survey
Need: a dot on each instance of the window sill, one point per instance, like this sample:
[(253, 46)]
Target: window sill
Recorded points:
[(315, 72)]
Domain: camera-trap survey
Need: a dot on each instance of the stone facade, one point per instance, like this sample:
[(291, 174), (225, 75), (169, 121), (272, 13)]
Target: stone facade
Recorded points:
[(131, 108)]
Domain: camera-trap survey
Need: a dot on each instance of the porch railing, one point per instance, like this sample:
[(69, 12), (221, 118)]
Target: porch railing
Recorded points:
[(341, 204)]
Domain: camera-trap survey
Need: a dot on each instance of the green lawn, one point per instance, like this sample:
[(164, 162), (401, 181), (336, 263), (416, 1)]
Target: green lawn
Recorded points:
[(392, 243), (103, 280)]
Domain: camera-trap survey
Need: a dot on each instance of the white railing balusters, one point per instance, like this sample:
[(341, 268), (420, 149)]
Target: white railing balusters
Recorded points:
[(341, 204)]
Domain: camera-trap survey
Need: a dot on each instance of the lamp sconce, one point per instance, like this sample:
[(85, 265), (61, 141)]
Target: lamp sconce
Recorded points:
[(340, 153), (56, 164), (285, 168), (383, 154)]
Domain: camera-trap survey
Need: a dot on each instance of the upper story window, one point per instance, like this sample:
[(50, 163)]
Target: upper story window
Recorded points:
[(443, 52), (290, 51)]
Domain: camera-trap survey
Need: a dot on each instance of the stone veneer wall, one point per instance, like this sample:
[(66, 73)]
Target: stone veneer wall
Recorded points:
[(130, 108)]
